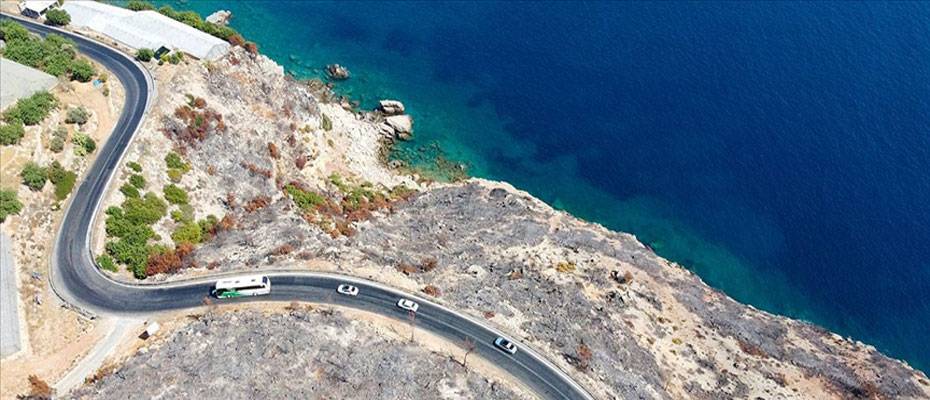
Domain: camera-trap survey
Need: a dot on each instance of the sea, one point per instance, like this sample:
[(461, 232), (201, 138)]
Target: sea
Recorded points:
[(780, 150)]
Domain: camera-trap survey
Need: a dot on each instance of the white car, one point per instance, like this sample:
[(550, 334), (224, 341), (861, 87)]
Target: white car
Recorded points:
[(347, 290), (408, 305), (505, 345)]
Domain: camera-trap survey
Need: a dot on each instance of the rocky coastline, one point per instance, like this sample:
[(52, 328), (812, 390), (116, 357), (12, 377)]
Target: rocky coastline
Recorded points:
[(304, 184)]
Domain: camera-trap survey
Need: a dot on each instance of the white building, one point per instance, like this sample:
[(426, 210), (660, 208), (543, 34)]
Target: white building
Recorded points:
[(35, 8), (144, 29)]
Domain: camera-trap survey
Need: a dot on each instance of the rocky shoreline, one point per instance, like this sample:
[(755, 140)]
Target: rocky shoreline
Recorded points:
[(303, 184)]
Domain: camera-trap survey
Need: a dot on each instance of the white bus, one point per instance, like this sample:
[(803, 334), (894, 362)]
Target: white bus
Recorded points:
[(251, 285)]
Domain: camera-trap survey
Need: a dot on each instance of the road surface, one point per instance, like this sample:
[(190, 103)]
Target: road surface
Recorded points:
[(76, 279)]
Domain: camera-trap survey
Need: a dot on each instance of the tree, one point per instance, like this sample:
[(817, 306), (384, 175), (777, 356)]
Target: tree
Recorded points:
[(77, 115), (469, 346), (34, 176), (57, 17), (145, 55), (11, 133), (9, 204), (82, 71)]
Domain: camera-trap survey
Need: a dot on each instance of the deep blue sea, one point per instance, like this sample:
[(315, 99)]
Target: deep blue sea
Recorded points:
[(780, 150)]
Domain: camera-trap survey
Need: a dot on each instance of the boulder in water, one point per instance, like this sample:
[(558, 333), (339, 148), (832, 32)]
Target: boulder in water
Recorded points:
[(391, 107), (337, 72)]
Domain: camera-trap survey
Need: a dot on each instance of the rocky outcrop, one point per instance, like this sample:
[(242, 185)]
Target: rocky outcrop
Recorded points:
[(220, 17), (398, 127), (391, 107), (337, 72)]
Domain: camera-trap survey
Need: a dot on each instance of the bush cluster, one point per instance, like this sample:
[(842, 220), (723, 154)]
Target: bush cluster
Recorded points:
[(34, 176), (175, 195), (57, 17), (106, 262), (83, 144), (11, 133), (176, 166), (199, 122), (31, 110), (134, 166), (62, 179), (137, 180), (57, 143), (9, 204), (139, 5), (145, 55), (131, 224), (54, 54), (306, 200), (193, 19), (77, 115)]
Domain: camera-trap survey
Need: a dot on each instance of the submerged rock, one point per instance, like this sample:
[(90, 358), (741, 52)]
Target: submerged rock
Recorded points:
[(391, 107), (337, 72)]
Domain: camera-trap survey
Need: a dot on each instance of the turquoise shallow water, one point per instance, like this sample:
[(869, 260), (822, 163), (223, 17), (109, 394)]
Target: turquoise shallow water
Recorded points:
[(779, 150)]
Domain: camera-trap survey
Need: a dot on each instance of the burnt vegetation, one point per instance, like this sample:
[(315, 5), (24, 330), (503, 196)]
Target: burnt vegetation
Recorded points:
[(197, 122)]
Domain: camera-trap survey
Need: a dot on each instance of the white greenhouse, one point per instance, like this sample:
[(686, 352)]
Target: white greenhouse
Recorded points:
[(144, 29)]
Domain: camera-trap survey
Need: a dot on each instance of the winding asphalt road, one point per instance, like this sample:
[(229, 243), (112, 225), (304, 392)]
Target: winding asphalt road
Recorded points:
[(76, 279)]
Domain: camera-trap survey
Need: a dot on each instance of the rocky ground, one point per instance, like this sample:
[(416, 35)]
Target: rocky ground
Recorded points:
[(302, 182), (298, 354)]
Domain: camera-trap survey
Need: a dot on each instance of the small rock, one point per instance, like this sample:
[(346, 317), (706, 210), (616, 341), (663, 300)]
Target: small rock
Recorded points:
[(391, 107), (337, 72), (395, 164), (220, 17)]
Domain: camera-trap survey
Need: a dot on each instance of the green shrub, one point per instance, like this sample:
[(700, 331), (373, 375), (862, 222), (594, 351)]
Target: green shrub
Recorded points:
[(11, 31), (176, 57), (175, 195), (129, 190), (62, 179), (137, 181), (139, 5), (64, 186), (304, 199), (326, 123), (134, 166), (106, 262), (175, 175), (82, 71), (188, 232), (83, 144), (57, 17), (31, 110), (34, 176), (56, 145), (77, 115), (145, 55), (177, 216), (9, 204), (11, 133), (173, 160)]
